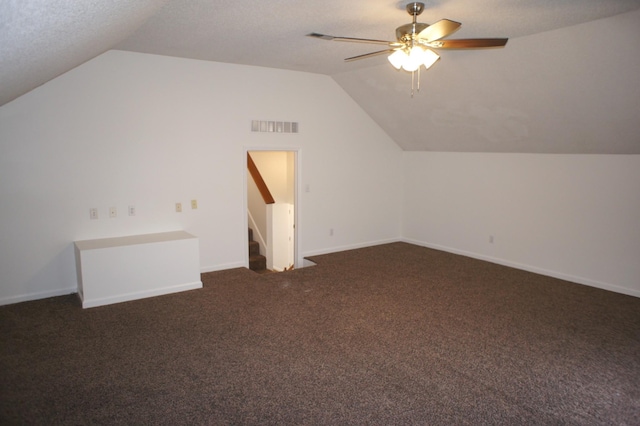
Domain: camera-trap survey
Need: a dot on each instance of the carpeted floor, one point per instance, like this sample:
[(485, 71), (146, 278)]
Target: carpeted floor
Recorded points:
[(392, 334)]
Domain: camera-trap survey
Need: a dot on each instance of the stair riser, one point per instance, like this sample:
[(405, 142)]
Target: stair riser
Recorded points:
[(254, 248), (258, 263)]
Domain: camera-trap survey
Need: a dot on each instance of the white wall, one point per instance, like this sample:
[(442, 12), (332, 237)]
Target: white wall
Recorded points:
[(575, 217), (133, 129)]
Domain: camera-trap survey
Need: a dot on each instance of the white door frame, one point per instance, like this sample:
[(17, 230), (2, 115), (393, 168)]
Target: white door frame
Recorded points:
[(297, 153)]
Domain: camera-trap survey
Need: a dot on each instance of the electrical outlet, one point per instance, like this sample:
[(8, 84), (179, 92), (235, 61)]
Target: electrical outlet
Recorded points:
[(132, 210), (179, 207), (491, 239), (331, 232), (93, 213), (113, 212), (194, 204)]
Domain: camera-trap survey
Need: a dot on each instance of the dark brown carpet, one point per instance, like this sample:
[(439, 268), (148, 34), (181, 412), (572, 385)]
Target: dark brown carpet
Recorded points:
[(393, 334)]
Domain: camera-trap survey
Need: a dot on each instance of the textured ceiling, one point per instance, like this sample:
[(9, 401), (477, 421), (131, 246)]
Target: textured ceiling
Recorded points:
[(41, 39)]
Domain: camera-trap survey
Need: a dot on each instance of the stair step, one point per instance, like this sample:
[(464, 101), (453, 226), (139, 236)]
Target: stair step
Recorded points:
[(257, 263), (254, 248)]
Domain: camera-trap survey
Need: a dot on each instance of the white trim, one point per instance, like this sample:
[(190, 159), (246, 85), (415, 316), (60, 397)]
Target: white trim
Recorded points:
[(37, 296), (245, 207), (297, 203), (351, 247), (529, 268), (223, 267)]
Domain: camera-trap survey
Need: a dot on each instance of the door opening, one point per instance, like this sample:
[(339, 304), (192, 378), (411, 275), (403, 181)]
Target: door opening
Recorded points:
[(271, 217)]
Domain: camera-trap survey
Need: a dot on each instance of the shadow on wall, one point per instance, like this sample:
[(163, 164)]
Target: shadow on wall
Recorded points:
[(61, 268)]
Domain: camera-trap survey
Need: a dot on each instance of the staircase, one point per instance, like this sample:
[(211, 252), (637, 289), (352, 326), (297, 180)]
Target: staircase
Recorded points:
[(257, 262)]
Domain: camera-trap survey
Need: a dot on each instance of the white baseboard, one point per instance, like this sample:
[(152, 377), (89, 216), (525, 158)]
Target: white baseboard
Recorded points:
[(529, 268), (214, 268), (579, 280), (35, 296), (350, 247)]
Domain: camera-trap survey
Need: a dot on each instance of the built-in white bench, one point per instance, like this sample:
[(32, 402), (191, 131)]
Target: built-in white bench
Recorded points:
[(112, 270)]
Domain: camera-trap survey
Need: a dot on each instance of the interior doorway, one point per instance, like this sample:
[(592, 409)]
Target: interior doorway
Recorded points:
[(270, 191)]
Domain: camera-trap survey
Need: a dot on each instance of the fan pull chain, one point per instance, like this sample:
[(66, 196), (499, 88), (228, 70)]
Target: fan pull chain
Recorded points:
[(412, 74), (414, 82)]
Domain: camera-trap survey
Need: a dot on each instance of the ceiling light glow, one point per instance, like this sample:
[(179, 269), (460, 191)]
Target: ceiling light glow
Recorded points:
[(411, 62)]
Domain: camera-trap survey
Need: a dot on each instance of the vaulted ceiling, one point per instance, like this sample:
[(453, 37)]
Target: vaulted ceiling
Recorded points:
[(480, 101)]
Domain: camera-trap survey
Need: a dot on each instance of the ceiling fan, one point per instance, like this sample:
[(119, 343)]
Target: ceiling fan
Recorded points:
[(416, 41)]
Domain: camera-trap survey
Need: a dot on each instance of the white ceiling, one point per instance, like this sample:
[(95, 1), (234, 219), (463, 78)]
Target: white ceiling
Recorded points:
[(42, 39)]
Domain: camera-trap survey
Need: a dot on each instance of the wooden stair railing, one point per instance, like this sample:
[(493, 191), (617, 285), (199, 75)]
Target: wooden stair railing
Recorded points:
[(257, 178)]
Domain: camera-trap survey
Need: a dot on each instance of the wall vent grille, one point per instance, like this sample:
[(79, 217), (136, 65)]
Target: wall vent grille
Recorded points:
[(274, 126)]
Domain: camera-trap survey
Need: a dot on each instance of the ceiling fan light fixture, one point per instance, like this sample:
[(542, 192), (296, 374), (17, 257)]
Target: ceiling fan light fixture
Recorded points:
[(398, 58), (414, 60), (411, 62), (429, 58)]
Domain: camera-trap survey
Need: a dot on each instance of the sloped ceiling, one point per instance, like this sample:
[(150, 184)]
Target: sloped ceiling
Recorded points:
[(479, 101)]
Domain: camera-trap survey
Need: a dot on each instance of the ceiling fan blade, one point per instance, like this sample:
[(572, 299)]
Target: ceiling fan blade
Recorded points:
[(369, 55), (354, 40), (469, 43), (438, 30)]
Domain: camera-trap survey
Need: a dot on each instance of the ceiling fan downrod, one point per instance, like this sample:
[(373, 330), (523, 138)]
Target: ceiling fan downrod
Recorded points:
[(414, 9)]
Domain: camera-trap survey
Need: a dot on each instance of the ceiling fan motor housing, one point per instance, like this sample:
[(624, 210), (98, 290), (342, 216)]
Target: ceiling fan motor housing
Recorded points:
[(415, 8), (405, 33)]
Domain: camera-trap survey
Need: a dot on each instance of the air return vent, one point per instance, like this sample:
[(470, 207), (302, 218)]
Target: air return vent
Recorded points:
[(274, 126)]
